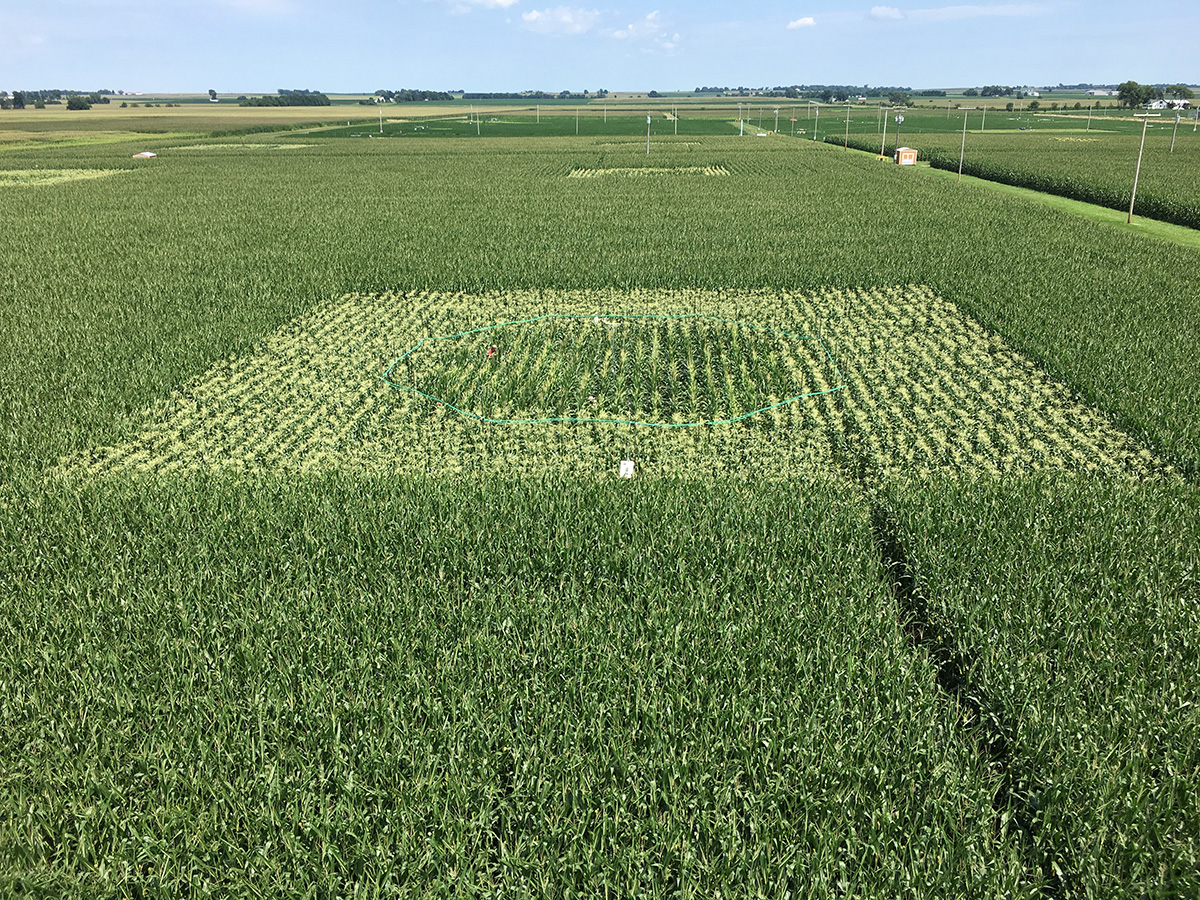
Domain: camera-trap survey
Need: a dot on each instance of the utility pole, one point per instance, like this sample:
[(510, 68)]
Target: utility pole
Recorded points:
[(1136, 172), (963, 149)]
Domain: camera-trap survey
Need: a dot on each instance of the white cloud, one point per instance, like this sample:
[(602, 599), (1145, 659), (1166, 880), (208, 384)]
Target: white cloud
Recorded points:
[(805, 22), (886, 12), (648, 27), (650, 31), (561, 20)]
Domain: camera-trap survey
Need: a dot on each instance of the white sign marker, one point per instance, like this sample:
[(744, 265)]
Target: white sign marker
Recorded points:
[(627, 468)]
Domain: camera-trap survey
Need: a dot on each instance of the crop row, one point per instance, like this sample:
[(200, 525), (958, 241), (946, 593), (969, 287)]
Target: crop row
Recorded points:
[(1095, 169), (229, 680), (29, 177), (1071, 610), (926, 389), (200, 255), (648, 171), (660, 370), (488, 687)]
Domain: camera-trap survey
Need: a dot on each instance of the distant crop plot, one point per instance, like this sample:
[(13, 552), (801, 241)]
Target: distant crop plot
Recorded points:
[(27, 177), (891, 380), (237, 146), (648, 171)]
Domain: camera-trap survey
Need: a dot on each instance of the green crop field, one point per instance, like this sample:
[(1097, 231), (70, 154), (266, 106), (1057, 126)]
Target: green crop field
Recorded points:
[(1072, 154), (673, 380), (533, 515)]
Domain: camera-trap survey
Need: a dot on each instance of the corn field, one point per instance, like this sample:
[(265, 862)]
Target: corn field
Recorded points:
[(899, 381), (319, 576)]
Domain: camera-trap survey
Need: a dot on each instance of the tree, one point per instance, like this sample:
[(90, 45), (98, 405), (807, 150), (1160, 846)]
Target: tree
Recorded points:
[(898, 98), (1178, 91), (1132, 94), (212, 95), (77, 101), (18, 99), (1034, 104), (970, 92)]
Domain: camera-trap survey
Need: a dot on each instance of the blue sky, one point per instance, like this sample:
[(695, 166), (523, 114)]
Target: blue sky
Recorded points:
[(254, 46)]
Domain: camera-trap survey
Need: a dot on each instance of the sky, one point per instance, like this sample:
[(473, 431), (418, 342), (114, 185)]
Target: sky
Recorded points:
[(259, 46)]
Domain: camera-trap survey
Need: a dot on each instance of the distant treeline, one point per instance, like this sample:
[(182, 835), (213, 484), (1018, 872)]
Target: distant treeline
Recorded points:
[(533, 95), (287, 98), (409, 95), (827, 93), (39, 99)]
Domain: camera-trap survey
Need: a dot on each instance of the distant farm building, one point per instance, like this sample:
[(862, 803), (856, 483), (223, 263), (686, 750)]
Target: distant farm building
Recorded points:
[(1168, 104)]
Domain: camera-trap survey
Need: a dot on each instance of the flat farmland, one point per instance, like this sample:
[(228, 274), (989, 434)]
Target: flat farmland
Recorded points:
[(318, 575), (899, 381), (36, 130), (1067, 153)]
